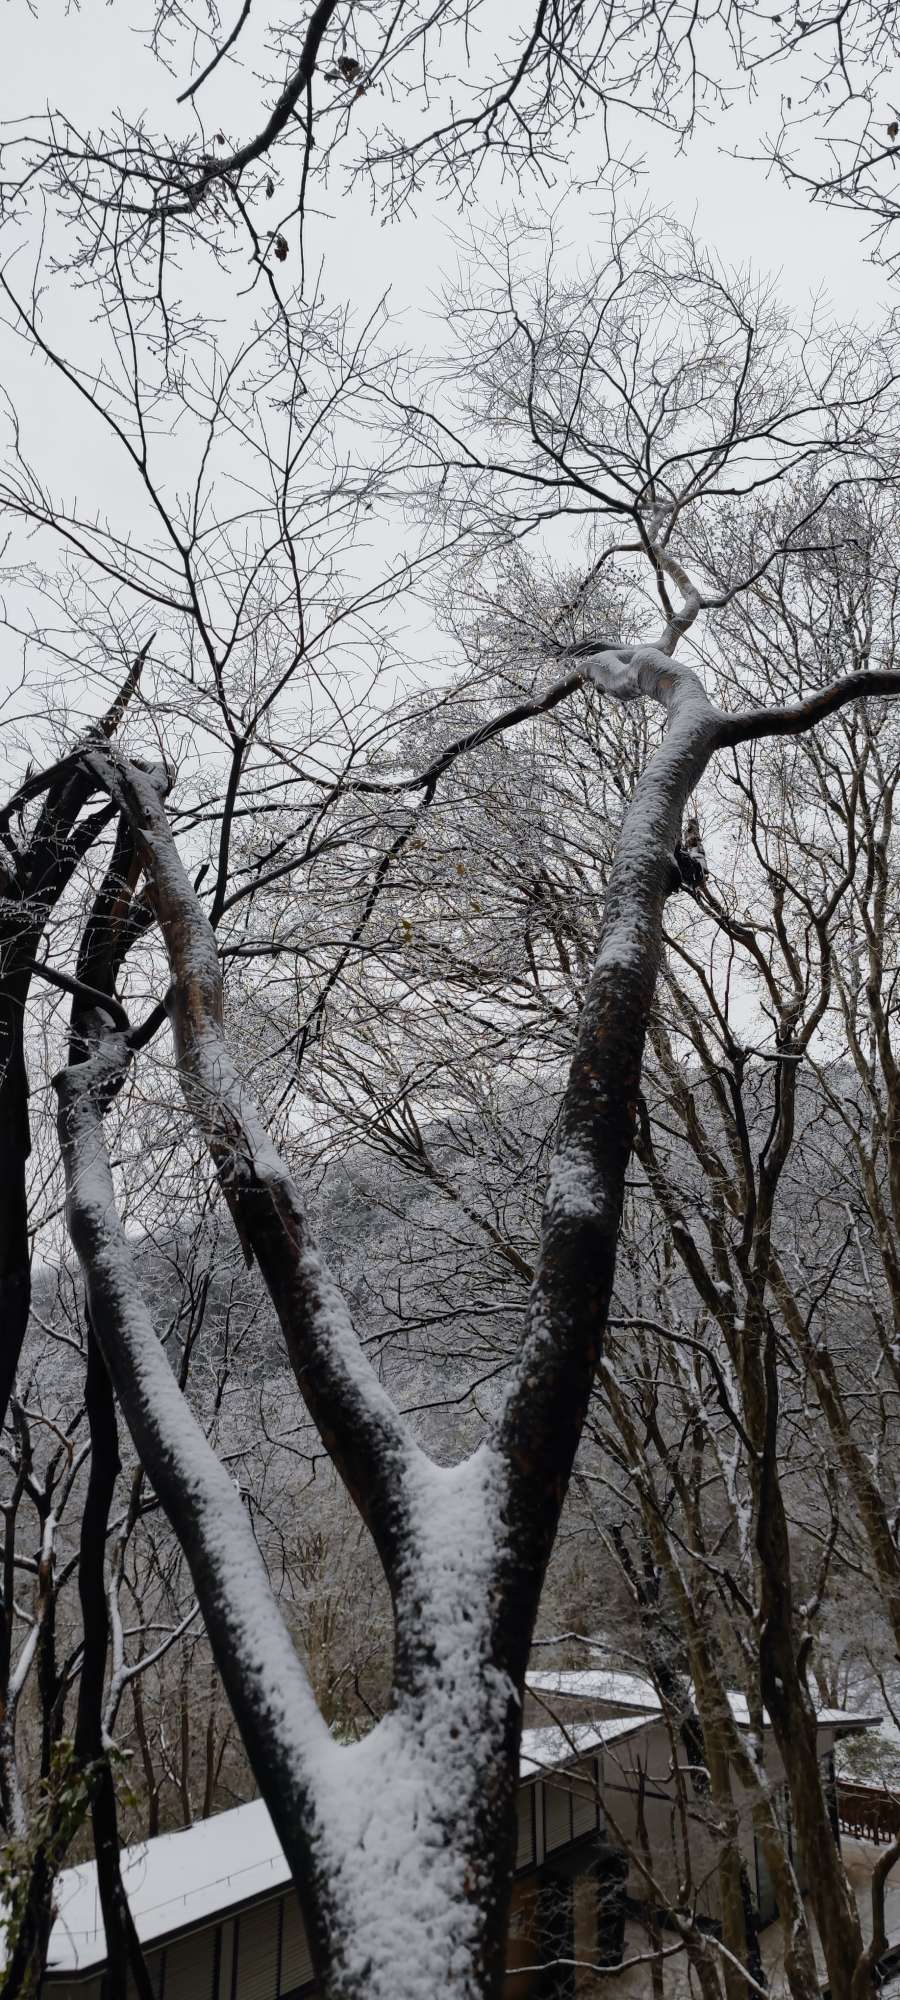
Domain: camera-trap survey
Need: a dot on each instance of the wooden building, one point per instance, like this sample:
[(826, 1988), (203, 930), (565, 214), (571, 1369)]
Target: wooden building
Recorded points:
[(665, 1824), (218, 1918)]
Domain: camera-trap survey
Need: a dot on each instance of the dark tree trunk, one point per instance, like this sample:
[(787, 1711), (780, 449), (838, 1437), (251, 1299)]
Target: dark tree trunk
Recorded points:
[(123, 1948)]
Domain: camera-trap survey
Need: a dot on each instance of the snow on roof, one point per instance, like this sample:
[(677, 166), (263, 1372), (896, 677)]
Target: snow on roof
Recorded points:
[(545, 1750), (625, 1692), (618, 1691), (181, 1880), (827, 1718), (174, 1881)]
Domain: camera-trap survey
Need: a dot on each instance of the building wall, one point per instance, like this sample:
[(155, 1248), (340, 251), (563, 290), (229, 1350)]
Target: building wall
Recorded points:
[(644, 1812), (259, 1954)]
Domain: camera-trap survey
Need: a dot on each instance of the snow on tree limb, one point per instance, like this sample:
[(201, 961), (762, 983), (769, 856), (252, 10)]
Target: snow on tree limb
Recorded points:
[(267, 1686), (464, 1547), (796, 717), (373, 1827), (353, 1412), (570, 1296)]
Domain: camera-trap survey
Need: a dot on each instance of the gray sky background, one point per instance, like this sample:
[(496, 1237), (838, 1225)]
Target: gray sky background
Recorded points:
[(91, 60)]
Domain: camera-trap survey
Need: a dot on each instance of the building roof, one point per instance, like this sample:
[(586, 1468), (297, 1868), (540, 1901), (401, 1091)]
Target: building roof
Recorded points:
[(551, 1749), (181, 1880), (844, 1719), (627, 1692), (172, 1882)]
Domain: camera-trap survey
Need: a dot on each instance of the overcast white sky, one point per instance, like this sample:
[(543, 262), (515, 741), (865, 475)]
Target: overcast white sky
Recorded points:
[(91, 61)]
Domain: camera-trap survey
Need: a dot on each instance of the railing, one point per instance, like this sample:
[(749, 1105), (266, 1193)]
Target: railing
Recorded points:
[(868, 1812)]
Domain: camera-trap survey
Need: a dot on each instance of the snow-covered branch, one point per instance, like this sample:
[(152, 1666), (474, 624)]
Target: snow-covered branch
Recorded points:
[(794, 718), (270, 1694), (355, 1415)]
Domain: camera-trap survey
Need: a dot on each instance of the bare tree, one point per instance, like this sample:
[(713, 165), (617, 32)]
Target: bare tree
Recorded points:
[(400, 97), (658, 396), (464, 1602)]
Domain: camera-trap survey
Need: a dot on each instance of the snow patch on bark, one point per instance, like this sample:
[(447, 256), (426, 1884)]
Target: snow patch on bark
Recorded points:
[(571, 1185)]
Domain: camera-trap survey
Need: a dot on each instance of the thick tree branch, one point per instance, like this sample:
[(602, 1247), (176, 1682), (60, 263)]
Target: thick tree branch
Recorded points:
[(90, 996), (282, 111), (353, 1413), (541, 1424), (753, 723), (271, 1697)]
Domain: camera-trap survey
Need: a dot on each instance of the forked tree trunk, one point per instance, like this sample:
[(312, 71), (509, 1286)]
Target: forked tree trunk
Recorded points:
[(402, 1845)]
